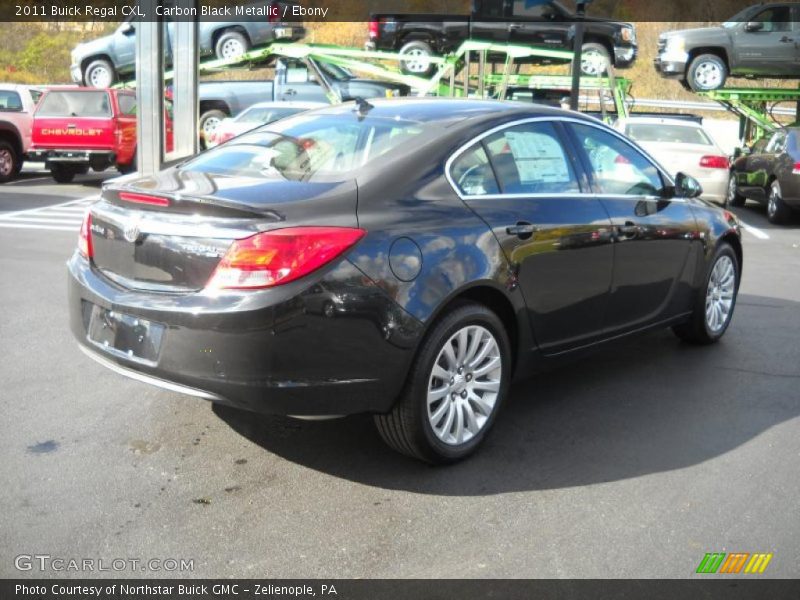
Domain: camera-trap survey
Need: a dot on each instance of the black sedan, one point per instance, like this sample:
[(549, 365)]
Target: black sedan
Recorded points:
[(406, 258), (769, 173)]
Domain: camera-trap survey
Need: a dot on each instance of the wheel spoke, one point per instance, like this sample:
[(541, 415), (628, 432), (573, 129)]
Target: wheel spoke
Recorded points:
[(463, 341), (450, 355), (439, 412), (459, 429), (471, 421), (437, 394), (440, 373), (489, 385), (477, 336), (488, 344), (493, 363), (483, 406), (448, 422)]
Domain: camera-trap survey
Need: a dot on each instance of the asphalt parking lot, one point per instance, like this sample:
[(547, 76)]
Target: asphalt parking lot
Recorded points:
[(633, 462)]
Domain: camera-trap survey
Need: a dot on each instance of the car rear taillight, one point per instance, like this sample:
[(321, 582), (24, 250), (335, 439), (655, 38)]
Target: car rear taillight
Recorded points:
[(144, 199), (280, 256), (223, 137), (796, 170), (274, 12), (714, 162), (85, 237), (373, 29)]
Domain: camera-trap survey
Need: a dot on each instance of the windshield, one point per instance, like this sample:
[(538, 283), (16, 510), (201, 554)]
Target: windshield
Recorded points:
[(740, 17), (75, 104), (674, 134), (307, 147)]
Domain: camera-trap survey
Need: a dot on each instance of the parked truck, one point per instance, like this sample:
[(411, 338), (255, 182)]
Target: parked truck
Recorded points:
[(760, 41), (546, 24), (100, 63), (75, 129), (17, 103)]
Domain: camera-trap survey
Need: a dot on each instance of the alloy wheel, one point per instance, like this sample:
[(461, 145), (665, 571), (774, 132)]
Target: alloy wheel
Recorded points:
[(100, 77), (731, 190), (772, 203), (6, 162), (417, 63), (719, 294), (210, 125), (464, 385), (232, 49), (708, 75), (593, 63)]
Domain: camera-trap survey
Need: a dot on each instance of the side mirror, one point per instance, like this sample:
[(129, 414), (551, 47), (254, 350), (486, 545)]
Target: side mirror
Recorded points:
[(754, 26), (126, 28), (687, 186)]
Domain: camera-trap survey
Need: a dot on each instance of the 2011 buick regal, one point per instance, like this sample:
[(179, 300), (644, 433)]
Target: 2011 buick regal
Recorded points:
[(402, 258)]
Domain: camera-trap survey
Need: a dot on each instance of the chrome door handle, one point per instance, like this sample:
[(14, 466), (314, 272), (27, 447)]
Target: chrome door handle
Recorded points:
[(628, 231)]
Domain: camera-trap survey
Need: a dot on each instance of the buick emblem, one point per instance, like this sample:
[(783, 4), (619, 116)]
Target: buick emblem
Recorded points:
[(131, 232)]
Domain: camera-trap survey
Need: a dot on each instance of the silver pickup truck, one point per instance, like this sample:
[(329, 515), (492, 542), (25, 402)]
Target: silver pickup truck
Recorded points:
[(100, 63)]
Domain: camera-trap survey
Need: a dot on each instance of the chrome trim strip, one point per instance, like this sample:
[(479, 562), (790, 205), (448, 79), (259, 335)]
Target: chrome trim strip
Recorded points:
[(167, 385), (597, 125)]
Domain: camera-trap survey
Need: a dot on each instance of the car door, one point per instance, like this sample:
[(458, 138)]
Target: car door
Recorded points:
[(489, 22), (124, 46), (766, 44), (653, 234), (524, 183), (760, 166), (540, 24)]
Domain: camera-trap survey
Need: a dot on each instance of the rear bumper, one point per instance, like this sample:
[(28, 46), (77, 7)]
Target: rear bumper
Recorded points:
[(714, 184), (331, 347), (98, 159)]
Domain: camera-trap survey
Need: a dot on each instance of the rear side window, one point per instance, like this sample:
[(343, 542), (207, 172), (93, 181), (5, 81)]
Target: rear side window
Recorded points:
[(10, 101), (258, 116), (75, 104), (305, 148), (530, 159), (472, 173)]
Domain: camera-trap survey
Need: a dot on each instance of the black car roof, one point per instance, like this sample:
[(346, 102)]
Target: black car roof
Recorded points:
[(449, 112)]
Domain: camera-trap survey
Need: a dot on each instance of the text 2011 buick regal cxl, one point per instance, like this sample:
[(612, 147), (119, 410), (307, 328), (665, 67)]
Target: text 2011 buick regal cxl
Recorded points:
[(405, 258)]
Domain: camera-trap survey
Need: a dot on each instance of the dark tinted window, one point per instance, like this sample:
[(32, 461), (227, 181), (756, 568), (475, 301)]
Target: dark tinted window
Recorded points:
[(472, 173), (308, 147), (530, 159), (617, 167), (75, 104), (774, 19), (10, 101)]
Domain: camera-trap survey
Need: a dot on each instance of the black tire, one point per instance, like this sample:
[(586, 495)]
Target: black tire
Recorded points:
[(231, 44), (706, 72), (63, 173), (10, 161), (733, 197), (407, 428), (99, 74), (697, 329), (592, 53), (420, 50), (206, 120), (778, 212), (130, 167)]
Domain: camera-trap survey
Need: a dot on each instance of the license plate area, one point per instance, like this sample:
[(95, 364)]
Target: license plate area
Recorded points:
[(124, 335), (283, 32)]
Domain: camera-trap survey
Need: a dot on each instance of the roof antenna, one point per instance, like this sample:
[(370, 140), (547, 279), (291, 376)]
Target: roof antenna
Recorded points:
[(362, 106)]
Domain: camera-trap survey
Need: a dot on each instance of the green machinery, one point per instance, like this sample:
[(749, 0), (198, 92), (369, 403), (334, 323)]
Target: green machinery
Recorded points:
[(754, 107), (465, 72)]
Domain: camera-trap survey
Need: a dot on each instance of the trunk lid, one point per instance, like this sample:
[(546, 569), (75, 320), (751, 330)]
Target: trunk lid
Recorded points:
[(74, 119), (174, 245)]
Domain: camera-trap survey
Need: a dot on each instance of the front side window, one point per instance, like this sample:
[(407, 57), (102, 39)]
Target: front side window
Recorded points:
[(774, 19), (530, 159), (472, 173), (526, 9), (617, 167), (127, 104)]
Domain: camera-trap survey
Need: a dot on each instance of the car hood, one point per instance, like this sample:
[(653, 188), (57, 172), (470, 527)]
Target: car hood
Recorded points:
[(704, 34), (93, 46)]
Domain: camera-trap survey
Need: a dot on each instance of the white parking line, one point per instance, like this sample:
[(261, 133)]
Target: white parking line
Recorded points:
[(754, 231), (66, 216)]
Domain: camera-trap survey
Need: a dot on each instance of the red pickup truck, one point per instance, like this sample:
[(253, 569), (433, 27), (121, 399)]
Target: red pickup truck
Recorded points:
[(75, 129)]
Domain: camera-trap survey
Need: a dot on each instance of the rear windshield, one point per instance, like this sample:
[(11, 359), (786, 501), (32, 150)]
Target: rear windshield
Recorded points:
[(75, 104), (260, 116), (676, 134), (307, 147)]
